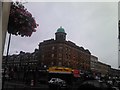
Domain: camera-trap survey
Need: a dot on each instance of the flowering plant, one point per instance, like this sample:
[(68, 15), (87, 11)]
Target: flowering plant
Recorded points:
[(21, 21)]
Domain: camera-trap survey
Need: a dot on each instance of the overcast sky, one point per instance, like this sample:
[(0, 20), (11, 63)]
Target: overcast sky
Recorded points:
[(92, 25)]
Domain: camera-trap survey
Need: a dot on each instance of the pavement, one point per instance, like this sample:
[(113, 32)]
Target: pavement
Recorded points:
[(20, 85)]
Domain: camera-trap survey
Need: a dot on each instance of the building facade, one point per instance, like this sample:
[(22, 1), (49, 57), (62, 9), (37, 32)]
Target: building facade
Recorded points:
[(103, 68), (60, 52), (22, 60), (94, 63), (114, 72)]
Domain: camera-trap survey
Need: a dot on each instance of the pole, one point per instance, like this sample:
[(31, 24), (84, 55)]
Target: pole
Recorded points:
[(5, 65), (119, 45)]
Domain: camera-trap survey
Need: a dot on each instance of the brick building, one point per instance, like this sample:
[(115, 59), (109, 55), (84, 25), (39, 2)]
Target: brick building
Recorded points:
[(103, 68), (60, 52), (22, 60), (94, 63)]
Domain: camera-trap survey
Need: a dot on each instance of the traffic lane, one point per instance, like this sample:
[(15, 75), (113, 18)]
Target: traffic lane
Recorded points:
[(94, 84)]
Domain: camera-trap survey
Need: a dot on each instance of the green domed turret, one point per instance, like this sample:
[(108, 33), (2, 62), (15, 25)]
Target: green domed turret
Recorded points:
[(61, 29), (60, 35)]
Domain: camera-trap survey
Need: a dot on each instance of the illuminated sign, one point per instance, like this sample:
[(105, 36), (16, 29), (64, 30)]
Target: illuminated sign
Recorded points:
[(76, 73), (59, 70)]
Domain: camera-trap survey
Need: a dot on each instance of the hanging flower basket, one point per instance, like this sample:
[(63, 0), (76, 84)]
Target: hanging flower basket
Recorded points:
[(21, 21)]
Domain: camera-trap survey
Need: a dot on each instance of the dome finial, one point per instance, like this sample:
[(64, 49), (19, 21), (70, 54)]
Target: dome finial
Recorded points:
[(61, 29)]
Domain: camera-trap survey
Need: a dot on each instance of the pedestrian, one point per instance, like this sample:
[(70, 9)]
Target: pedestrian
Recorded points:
[(32, 83), (113, 82)]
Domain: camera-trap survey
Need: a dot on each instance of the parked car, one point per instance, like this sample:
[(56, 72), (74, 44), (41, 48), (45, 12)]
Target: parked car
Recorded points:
[(57, 82), (110, 82)]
